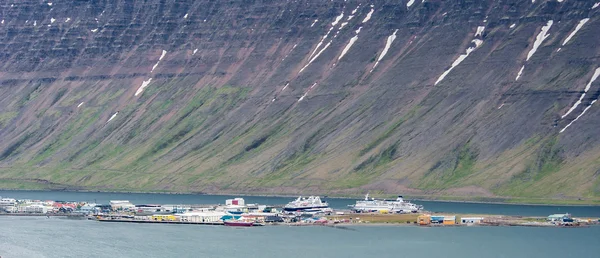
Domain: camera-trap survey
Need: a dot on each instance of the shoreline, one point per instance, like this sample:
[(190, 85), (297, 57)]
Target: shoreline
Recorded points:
[(410, 198), (509, 222), (507, 203)]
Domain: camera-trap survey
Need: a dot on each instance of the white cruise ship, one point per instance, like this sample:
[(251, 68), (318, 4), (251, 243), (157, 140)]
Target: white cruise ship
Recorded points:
[(306, 203), (394, 206)]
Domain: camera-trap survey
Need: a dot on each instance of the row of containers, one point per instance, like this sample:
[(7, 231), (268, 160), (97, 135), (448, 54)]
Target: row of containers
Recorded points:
[(427, 219)]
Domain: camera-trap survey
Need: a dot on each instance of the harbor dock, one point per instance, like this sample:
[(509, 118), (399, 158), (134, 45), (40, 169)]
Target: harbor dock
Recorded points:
[(216, 223)]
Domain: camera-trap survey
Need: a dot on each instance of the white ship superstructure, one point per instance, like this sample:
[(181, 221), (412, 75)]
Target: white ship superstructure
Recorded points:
[(394, 206), (306, 203)]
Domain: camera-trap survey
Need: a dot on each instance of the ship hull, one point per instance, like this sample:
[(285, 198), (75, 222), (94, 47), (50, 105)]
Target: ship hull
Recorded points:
[(238, 223), (303, 208)]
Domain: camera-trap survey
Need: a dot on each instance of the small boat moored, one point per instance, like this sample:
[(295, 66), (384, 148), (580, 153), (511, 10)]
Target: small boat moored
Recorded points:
[(238, 223)]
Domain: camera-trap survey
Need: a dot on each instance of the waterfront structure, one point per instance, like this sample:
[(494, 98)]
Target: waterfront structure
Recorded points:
[(235, 201), (238, 223), (121, 205), (175, 208), (560, 218), (7, 204), (32, 208), (164, 217), (196, 216), (234, 209), (274, 219), (63, 207), (89, 208), (437, 219), (471, 220), (10, 209), (449, 220), (148, 208), (424, 219), (104, 208)]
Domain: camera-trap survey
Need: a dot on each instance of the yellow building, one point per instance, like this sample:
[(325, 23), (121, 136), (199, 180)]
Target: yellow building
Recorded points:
[(424, 219), (167, 217)]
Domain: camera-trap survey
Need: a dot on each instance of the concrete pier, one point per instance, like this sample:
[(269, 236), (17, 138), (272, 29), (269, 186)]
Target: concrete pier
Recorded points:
[(161, 222)]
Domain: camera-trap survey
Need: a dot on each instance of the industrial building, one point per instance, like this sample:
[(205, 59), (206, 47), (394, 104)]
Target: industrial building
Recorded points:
[(118, 205)]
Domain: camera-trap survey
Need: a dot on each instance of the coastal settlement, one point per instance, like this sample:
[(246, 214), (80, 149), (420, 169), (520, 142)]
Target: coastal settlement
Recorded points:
[(303, 211)]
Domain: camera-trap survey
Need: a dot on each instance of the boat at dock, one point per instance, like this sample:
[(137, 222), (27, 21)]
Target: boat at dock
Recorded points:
[(238, 223), (310, 203), (393, 206)]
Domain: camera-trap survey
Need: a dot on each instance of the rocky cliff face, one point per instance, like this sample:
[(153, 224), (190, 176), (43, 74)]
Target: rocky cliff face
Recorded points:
[(444, 98)]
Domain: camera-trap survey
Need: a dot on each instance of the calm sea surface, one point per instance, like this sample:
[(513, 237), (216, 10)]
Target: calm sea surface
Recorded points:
[(61, 237), (477, 208)]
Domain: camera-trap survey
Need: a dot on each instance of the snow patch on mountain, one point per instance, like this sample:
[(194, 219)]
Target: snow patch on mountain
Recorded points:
[(539, 39), (306, 93), (543, 35), (577, 28), (587, 88), (368, 17), (348, 46), (480, 30), (143, 87), (577, 118), (388, 44), (315, 57), (461, 58), (337, 19), (112, 117), (520, 73), (314, 22), (164, 52)]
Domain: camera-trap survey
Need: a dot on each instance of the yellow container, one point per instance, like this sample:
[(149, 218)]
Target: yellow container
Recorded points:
[(449, 220)]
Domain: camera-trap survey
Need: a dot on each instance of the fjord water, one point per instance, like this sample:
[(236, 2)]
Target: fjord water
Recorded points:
[(336, 203), (61, 237)]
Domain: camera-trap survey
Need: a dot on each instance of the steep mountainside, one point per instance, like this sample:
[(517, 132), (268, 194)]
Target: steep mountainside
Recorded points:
[(435, 98)]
